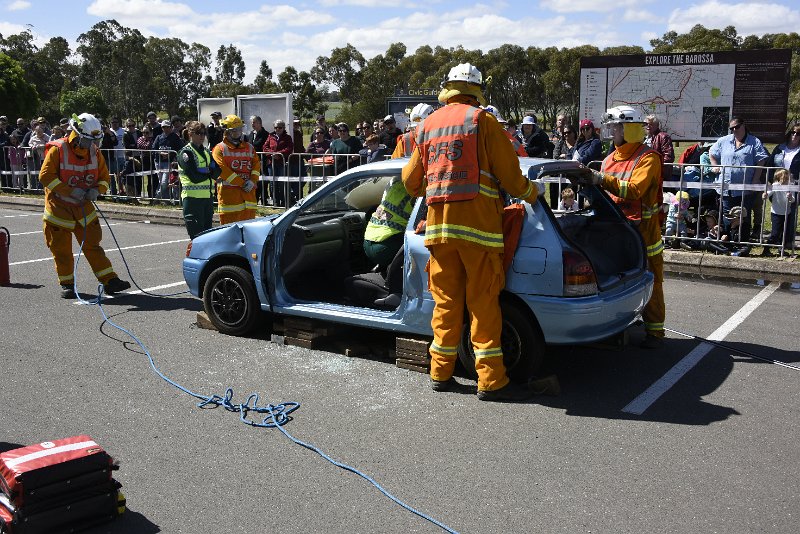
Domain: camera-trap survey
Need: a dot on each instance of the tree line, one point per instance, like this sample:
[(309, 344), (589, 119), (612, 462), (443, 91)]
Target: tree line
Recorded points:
[(116, 70)]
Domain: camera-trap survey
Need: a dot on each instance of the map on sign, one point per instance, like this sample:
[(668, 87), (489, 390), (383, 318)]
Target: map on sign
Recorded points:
[(692, 102)]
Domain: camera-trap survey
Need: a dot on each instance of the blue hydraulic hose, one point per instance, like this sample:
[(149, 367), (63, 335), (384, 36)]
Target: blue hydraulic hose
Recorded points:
[(276, 415)]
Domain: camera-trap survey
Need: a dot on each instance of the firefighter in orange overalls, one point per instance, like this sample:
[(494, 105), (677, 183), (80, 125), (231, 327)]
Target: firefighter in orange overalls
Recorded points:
[(241, 169), (632, 175), (407, 142), (74, 174), (461, 161)]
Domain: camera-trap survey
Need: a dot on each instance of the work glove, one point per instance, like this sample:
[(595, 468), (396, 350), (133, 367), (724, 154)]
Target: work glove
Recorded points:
[(540, 185), (78, 193), (92, 194), (248, 186), (588, 176)]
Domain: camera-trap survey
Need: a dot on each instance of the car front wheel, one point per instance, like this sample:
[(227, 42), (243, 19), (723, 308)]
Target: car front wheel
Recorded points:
[(230, 300), (522, 343)]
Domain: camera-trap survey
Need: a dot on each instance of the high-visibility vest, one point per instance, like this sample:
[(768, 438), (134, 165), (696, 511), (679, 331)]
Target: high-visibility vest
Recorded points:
[(239, 160), (623, 170), (409, 143), (74, 171), (188, 188), (448, 141), (392, 215), (519, 148)]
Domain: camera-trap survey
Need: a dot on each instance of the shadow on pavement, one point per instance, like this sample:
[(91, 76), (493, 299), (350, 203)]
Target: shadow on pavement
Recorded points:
[(601, 383)]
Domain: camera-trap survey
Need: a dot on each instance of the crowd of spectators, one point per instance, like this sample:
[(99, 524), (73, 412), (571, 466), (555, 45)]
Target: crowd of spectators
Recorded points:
[(141, 160)]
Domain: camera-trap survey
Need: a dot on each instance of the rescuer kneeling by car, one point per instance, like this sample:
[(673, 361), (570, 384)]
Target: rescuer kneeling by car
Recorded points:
[(461, 161)]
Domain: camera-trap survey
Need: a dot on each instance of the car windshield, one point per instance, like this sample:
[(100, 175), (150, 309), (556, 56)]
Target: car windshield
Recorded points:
[(361, 194)]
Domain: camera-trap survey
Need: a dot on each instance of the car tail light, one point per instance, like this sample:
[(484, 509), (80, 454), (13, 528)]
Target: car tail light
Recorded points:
[(579, 278), (188, 249)]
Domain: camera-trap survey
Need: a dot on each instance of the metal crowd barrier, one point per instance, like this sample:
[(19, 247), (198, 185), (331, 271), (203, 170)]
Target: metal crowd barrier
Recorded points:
[(708, 190)]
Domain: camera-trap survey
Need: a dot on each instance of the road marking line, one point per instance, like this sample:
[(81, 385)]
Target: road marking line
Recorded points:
[(138, 291), (641, 403), (107, 251), (21, 215), (41, 231)]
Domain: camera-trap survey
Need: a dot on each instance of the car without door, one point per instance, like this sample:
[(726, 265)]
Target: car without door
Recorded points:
[(576, 276)]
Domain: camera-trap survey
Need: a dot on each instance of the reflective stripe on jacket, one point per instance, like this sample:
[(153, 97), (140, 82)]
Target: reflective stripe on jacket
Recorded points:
[(448, 142), (622, 170), (196, 190), (640, 189), (73, 171), (236, 163), (392, 215), (476, 222)]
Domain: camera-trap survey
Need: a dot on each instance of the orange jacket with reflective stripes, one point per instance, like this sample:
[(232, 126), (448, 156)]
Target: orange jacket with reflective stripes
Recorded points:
[(66, 168), (478, 221), (448, 143), (237, 163), (406, 144), (632, 175)]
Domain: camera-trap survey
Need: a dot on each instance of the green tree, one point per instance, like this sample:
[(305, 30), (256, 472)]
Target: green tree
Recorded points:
[(699, 39), (380, 77), (47, 68), (115, 61), (263, 84), (85, 99), (342, 70), (18, 97), (229, 73), (306, 100), (563, 81), (510, 73)]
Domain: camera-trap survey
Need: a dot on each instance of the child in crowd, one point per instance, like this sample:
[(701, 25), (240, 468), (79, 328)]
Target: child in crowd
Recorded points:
[(781, 213), (678, 216), (567, 202), (16, 158)]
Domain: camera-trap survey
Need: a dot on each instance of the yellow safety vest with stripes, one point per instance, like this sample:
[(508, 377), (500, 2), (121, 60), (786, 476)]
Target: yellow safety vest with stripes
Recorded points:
[(392, 215), (203, 161)]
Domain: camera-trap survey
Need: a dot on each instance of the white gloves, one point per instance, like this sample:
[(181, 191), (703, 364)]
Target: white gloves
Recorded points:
[(540, 185), (248, 186), (92, 194), (78, 193)]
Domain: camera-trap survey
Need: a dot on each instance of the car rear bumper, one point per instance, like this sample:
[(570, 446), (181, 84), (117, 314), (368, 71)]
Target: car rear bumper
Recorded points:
[(569, 321), (191, 273)]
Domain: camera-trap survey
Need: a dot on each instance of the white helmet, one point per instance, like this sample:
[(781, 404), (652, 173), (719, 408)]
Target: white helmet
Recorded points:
[(420, 112), (622, 114), (86, 125), (493, 110), (465, 72), (631, 118)]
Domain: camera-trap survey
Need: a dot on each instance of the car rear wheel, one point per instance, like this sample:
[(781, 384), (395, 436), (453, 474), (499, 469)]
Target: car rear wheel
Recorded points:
[(521, 340), (230, 300)]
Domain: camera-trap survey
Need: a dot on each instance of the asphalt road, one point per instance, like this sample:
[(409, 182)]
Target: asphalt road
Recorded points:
[(713, 450)]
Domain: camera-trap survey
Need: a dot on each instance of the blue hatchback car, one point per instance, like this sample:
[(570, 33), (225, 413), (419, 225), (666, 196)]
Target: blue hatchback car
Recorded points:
[(576, 277)]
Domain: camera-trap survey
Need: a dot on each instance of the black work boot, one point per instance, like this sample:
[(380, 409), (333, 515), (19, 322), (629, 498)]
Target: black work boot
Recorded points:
[(444, 385), (68, 291), (115, 285), (511, 392)]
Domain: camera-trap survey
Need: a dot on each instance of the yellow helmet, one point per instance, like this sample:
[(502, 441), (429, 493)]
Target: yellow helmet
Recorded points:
[(231, 121)]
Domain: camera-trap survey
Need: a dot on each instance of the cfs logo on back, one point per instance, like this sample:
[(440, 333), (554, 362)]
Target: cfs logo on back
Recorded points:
[(451, 150)]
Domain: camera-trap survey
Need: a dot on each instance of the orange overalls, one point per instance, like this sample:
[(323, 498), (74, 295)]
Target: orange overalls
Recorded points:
[(461, 160), (238, 164), (633, 177), (66, 168), (406, 144)]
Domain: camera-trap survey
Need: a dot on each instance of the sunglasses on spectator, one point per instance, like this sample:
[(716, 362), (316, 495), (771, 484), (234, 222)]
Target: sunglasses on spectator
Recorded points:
[(279, 128), (795, 132), (341, 130), (733, 128), (568, 132)]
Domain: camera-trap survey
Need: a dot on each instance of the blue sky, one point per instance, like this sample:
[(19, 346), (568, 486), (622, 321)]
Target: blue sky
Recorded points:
[(295, 33)]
